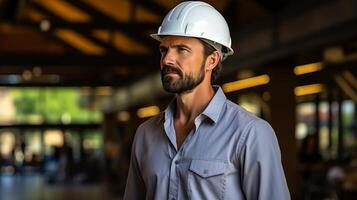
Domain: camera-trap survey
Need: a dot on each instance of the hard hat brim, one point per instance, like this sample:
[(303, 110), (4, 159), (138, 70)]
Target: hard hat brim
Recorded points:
[(158, 37)]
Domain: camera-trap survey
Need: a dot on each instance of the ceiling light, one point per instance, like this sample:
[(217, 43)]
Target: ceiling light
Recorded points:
[(148, 111), (246, 83), (308, 68), (308, 89)]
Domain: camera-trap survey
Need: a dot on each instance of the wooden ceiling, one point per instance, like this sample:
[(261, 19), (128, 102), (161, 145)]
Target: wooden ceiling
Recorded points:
[(91, 42), (81, 42)]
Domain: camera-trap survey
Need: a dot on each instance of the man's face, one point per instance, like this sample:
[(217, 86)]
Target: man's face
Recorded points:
[(182, 63)]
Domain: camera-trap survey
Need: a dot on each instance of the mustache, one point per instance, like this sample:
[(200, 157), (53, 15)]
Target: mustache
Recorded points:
[(170, 69)]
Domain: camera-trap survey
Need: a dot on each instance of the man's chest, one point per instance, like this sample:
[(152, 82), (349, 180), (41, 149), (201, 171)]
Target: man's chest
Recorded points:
[(205, 160), (206, 146)]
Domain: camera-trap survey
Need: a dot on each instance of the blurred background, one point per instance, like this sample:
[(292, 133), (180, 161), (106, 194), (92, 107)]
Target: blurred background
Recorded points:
[(78, 76)]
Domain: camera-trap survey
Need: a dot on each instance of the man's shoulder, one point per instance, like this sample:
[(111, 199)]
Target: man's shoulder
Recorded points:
[(144, 130), (239, 113), (242, 118), (151, 122)]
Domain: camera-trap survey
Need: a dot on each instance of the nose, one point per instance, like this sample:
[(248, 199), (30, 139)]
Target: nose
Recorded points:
[(168, 58)]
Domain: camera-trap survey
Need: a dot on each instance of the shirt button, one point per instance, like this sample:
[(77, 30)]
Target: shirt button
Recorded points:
[(176, 162)]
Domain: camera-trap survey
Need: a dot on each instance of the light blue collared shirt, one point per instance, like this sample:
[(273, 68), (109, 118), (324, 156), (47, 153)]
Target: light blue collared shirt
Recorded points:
[(229, 154)]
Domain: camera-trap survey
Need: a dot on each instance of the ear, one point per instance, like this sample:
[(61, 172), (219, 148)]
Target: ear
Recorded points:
[(212, 60)]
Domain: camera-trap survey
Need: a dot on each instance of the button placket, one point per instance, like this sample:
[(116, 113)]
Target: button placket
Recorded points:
[(176, 161), (174, 182)]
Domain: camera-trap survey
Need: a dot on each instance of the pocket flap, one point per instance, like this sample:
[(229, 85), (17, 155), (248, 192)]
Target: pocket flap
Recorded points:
[(207, 168)]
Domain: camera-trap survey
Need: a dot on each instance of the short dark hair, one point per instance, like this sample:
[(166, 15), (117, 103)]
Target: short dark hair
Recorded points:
[(208, 50)]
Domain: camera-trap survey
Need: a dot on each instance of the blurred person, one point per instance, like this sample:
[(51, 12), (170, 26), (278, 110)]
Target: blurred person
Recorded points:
[(1, 162), (51, 164), (335, 176), (202, 146), (309, 152), (311, 166), (66, 163)]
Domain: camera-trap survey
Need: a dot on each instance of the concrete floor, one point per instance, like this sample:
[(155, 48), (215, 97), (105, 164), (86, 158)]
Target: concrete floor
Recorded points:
[(33, 187)]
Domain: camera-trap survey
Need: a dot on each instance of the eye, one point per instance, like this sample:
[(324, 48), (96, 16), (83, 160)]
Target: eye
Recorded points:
[(182, 49), (163, 50)]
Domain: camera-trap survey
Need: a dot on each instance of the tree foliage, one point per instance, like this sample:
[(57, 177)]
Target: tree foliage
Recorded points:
[(54, 105)]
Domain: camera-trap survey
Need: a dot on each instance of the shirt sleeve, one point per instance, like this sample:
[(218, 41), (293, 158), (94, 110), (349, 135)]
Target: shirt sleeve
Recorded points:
[(135, 187), (262, 174)]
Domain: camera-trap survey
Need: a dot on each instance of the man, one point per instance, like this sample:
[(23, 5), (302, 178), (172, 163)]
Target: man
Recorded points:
[(202, 146)]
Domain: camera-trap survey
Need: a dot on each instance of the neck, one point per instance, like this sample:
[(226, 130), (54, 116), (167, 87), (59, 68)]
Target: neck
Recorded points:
[(190, 104)]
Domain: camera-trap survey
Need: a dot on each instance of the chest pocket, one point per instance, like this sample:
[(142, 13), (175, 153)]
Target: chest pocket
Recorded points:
[(207, 169), (206, 179)]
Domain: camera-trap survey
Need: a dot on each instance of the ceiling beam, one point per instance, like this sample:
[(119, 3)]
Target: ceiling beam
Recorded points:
[(49, 34), (152, 6), (99, 17), (83, 26), (63, 83), (103, 78), (85, 32), (85, 29), (77, 60), (13, 76), (331, 33), (274, 6)]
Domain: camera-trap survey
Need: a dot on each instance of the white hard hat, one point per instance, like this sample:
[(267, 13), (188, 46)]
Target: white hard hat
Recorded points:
[(200, 20)]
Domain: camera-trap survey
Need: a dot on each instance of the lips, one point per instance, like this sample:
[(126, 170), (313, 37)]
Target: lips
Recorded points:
[(171, 70)]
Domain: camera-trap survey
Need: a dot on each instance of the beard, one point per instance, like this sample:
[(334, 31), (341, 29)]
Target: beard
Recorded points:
[(186, 82)]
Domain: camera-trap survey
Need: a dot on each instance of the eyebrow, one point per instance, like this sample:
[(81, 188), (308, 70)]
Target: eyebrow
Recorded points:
[(175, 46)]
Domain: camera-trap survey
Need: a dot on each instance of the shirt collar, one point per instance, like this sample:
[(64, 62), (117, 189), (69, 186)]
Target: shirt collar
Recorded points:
[(212, 110), (215, 106), (170, 110)]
